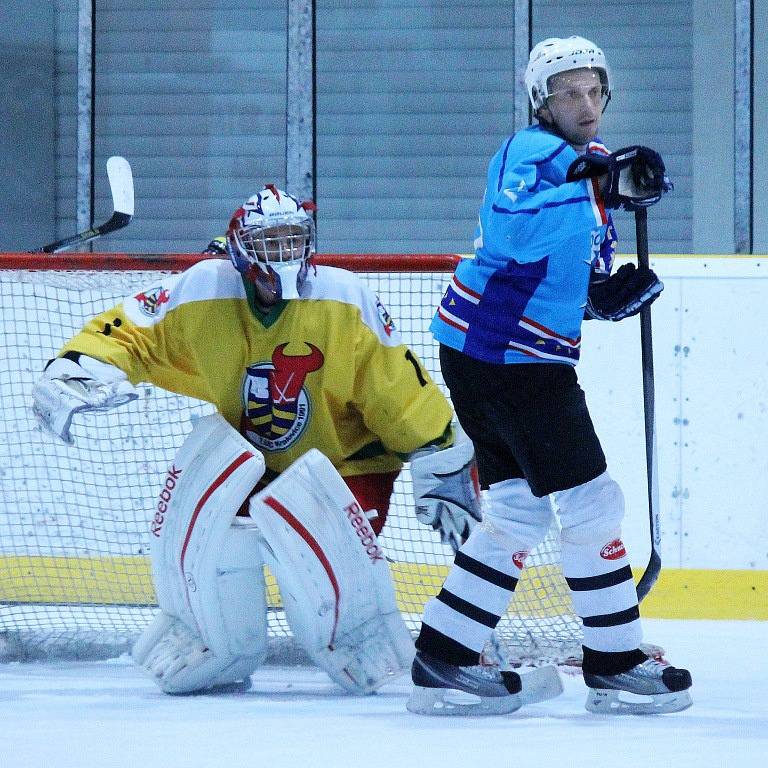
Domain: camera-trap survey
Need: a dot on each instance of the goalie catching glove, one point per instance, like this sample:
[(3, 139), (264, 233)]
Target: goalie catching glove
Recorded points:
[(623, 294), (446, 490), (635, 176), (76, 383)]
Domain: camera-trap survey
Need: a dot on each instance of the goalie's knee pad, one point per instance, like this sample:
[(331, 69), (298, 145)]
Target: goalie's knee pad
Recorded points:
[(591, 511), (334, 579)]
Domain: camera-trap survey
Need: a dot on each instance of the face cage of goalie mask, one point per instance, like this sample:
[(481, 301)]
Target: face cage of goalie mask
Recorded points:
[(284, 243)]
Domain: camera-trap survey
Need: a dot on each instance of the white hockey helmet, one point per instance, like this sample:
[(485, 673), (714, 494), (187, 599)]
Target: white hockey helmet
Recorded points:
[(557, 54), (270, 240)]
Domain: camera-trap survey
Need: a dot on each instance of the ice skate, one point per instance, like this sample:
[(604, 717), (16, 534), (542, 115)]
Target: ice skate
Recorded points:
[(664, 689), (445, 689)]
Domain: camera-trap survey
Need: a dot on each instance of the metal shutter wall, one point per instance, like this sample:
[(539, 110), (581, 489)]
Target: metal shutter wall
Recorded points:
[(649, 50), (193, 96), (65, 94), (413, 98), (760, 140)]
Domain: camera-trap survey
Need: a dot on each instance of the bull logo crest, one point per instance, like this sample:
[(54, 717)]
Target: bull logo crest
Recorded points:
[(151, 302), (276, 408)]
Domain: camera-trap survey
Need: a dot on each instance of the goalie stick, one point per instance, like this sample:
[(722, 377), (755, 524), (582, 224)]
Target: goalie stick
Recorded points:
[(651, 573), (121, 186)]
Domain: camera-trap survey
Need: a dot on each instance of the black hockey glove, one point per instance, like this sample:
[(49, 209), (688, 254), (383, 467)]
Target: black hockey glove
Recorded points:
[(623, 294), (636, 176)]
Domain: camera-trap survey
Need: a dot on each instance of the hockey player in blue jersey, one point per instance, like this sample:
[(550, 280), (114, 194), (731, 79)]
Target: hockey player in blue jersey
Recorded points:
[(509, 333)]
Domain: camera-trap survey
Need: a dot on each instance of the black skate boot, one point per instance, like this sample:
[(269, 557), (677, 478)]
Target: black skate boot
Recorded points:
[(445, 689), (666, 686)]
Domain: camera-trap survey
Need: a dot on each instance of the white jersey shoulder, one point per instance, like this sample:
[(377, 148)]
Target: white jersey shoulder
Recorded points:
[(206, 280), (334, 284)]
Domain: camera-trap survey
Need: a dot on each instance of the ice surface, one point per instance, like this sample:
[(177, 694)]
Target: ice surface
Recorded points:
[(105, 714)]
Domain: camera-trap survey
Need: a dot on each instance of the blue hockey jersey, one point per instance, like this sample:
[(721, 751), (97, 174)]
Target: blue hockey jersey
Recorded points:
[(522, 298)]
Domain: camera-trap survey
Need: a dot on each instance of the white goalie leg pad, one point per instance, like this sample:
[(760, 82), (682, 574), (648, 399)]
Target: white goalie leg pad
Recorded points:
[(208, 575), (176, 657), (333, 577)]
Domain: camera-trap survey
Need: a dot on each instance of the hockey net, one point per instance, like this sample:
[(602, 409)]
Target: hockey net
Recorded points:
[(74, 543)]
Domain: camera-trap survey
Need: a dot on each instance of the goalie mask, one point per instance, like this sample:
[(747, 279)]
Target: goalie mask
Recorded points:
[(554, 55), (270, 240)]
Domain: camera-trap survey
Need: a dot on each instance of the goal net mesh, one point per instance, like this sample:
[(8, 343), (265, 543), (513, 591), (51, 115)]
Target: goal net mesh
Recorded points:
[(74, 521)]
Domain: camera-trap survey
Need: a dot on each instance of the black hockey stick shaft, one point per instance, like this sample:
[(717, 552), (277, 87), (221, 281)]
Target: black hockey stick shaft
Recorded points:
[(116, 221), (652, 570), (121, 187)]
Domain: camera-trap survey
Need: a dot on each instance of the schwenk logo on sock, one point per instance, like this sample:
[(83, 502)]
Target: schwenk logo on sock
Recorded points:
[(613, 550)]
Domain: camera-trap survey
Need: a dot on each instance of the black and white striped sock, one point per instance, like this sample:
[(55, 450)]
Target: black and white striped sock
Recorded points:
[(460, 620)]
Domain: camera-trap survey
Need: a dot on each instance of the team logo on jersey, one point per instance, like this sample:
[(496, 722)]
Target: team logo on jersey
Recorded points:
[(519, 559), (385, 317), (276, 407), (151, 302)]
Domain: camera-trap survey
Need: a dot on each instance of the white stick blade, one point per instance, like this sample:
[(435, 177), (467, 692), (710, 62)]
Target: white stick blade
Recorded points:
[(540, 684), (121, 184)]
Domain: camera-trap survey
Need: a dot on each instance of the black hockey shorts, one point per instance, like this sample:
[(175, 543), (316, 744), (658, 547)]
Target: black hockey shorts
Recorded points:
[(525, 420)]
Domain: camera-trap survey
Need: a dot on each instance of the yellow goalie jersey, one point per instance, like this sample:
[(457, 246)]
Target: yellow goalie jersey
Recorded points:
[(326, 371)]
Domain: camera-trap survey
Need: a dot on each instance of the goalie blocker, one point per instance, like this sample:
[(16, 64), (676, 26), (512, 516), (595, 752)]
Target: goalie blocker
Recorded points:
[(208, 571)]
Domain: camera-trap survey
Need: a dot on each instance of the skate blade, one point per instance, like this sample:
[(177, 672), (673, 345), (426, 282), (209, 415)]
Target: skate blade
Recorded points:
[(452, 702), (609, 702), (540, 684)]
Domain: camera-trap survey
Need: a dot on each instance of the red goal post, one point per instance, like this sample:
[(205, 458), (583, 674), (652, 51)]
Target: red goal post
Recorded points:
[(74, 567)]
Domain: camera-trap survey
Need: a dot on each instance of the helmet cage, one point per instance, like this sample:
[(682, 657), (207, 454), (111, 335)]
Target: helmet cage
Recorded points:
[(284, 240)]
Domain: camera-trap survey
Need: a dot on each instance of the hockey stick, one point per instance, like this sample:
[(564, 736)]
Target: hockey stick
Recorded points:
[(651, 573), (121, 186)]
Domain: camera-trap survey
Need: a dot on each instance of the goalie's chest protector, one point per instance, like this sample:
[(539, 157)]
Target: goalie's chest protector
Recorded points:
[(326, 371)]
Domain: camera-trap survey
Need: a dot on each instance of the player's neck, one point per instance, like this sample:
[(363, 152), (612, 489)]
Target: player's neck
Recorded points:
[(554, 129)]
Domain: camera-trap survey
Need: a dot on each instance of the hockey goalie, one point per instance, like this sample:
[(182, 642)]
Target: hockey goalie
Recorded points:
[(318, 404)]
